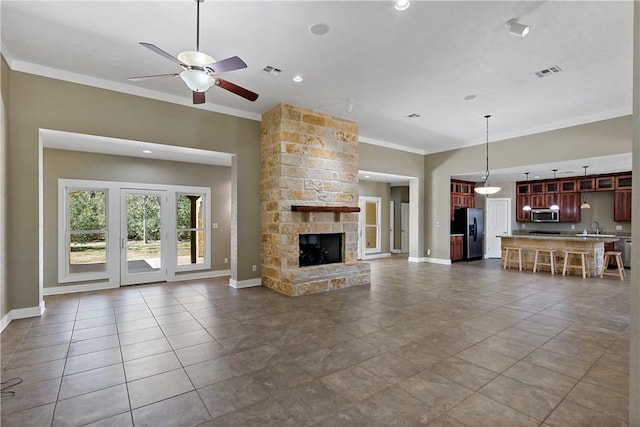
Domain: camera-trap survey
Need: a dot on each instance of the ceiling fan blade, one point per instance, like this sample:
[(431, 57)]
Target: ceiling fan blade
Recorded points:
[(159, 51), (229, 64), (198, 97), (238, 90), (155, 76)]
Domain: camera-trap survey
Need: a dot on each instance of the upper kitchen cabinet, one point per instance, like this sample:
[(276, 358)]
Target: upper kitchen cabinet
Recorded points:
[(623, 182), (462, 195), (587, 184), (605, 183), (568, 186)]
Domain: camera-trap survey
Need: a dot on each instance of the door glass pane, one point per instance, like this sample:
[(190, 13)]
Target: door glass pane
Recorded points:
[(371, 237), (190, 229), (87, 231), (143, 233)]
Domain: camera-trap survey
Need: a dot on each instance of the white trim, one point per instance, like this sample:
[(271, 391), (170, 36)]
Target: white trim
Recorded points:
[(21, 313), (430, 260), (200, 275), (239, 284), (396, 251), (129, 89), (380, 255), (391, 145), (87, 287)]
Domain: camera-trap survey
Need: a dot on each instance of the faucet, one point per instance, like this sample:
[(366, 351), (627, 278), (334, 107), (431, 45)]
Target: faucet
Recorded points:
[(595, 226)]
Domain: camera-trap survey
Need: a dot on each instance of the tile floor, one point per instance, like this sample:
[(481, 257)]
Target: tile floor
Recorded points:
[(463, 345)]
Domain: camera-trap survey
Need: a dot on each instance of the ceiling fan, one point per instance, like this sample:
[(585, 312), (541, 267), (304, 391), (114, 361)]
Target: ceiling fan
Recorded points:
[(199, 70)]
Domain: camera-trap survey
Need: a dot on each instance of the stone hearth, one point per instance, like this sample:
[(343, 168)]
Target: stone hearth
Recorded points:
[(309, 160)]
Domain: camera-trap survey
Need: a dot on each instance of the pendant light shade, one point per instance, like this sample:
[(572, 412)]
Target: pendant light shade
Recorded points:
[(554, 206), (487, 189), (527, 206), (585, 204)]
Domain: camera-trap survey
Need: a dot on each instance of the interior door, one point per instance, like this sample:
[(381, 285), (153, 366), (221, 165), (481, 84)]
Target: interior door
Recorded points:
[(392, 225), (404, 233), (142, 249), (498, 220)]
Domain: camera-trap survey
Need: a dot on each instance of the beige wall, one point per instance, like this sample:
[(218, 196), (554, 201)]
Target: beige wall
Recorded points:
[(89, 166), (37, 102), (590, 140), (386, 160), (4, 110), (382, 190)]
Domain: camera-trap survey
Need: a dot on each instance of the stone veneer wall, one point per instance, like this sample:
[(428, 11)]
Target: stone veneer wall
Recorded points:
[(308, 158)]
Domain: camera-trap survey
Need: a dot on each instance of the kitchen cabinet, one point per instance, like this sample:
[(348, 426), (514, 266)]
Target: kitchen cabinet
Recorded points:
[(522, 215), (622, 206), (587, 184), (612, 260), (623, 182), (537, 188), (568, 186), (551, 187), (462, 195), (456, 248), (569, 207), (604, 183), (523, 189), (541, 201)]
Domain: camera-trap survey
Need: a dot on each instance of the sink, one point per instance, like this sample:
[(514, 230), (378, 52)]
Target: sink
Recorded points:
[(595, 235)]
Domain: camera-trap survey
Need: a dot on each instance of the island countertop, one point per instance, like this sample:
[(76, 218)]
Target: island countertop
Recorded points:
[(594, 246)]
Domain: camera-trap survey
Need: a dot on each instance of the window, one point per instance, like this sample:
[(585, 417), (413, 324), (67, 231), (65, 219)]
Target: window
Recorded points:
[(191, 230), (85, 235)]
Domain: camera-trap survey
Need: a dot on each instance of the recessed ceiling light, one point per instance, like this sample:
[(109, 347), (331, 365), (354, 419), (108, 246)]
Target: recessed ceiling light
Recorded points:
[(147, 151), (297, 78), (536, 177), (319, 29), (402, 5), (470, 97)]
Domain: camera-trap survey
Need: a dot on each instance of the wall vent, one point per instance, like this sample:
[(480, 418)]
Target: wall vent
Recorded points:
[(548, 71), (412, 116)]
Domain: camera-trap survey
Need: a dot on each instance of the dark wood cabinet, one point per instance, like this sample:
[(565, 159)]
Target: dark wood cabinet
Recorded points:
[(456, 248), (612, 260), (622, 206), (522, 215), (523, 189), (604, 183), (587, 184), (623, 182), (462, 195), (568, 186), (538, 188), (551, 187), (569, 207), (541, 201)]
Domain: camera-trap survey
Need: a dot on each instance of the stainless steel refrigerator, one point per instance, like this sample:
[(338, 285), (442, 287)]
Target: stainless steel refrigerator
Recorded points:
[(470, 222)]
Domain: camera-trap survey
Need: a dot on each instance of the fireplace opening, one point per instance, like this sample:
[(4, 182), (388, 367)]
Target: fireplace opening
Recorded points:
[(317, 249)]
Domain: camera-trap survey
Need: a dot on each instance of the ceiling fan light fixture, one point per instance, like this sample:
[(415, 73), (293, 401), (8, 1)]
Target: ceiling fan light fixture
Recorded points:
[(402, 5), (517, 29), (198, 81), (194, 57)]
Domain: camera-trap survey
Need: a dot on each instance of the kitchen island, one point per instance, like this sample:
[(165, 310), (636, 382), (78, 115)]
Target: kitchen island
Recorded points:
[(593, 245)]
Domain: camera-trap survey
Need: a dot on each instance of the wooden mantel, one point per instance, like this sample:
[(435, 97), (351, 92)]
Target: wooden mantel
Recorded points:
[(334, 209)]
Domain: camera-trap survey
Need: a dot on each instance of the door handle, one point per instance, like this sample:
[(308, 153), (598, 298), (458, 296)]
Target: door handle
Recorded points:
[(122, 243)]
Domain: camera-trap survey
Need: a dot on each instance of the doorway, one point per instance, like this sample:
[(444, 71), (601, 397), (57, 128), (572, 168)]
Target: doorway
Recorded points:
[(141, 239)]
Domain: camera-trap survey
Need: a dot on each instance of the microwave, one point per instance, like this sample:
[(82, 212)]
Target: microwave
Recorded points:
[(545, 215)]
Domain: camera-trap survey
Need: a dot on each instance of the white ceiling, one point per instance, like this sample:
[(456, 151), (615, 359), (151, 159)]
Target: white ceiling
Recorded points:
[(424, 60)]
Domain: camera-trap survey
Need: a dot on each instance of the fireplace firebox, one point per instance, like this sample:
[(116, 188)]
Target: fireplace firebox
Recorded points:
[(318, 249)]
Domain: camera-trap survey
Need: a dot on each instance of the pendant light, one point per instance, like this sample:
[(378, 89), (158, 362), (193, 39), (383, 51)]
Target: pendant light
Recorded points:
[(554, 206), (486, 188), (527, 206), (585, 204)]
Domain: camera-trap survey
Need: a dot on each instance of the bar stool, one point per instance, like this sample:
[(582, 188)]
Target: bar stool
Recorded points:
[(509, 250), (551, 263), (620, 272), (582, 265)]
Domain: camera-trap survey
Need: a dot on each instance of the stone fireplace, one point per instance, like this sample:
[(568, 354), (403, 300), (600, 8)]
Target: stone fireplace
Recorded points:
[(309, 202)]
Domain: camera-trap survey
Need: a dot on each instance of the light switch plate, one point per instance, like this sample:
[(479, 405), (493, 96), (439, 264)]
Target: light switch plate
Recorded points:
[(618, 227), (573, 226), (214, 225)]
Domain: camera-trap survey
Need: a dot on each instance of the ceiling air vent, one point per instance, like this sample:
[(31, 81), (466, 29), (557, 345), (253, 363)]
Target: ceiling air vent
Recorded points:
[(412, 116), (272, 70), (548, 71)]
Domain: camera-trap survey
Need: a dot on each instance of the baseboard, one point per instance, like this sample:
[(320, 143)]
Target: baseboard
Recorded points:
[(21, 313), (430, 260), (87, 287), (245, 283), (396, 251), (200, 275), (375, 256)]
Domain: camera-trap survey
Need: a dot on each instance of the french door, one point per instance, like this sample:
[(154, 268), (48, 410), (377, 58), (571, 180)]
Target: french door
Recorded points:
[(143, 236)]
